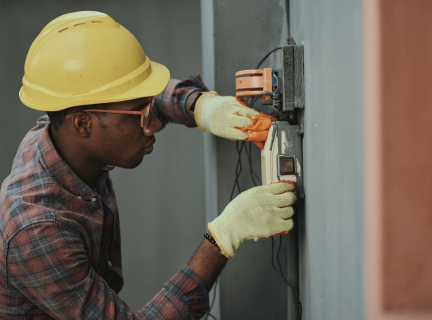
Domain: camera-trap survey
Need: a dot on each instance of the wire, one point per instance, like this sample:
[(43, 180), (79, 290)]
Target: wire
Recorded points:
[(213, 301), (209, 314), (266, 56), (252, 172), (287, 8), (279, 271), (239, 168)]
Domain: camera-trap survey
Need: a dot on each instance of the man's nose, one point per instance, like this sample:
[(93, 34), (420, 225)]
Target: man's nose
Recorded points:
[(154, 125)]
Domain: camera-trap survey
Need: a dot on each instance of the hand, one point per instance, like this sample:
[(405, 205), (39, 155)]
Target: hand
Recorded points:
[(260, 212), (231, 118)]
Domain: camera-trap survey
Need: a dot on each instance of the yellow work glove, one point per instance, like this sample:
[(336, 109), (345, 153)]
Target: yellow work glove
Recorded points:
[(231, 118), (260, 212)]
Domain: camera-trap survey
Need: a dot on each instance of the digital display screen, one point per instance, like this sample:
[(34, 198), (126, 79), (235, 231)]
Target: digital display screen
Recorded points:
[(286, 165)]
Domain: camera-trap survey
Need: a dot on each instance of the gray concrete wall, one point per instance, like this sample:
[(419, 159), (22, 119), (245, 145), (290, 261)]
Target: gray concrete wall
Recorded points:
[(331, 263), (331, 229), (161, 202)]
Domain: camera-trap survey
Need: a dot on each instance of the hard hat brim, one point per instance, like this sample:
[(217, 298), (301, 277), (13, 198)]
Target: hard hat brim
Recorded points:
[(153, 85)]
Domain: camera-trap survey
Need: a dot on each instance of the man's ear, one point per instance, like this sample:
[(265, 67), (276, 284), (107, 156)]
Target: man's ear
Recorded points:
[(83, 123)]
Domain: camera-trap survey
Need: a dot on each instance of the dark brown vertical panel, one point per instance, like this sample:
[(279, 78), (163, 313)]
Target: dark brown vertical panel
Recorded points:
[(406, 163)]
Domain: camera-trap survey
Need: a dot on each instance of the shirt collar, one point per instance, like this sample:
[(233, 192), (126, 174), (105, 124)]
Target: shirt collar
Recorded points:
[(55, 165)]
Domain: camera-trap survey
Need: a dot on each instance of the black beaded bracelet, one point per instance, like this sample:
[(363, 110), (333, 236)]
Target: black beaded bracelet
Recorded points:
[(210, 238)]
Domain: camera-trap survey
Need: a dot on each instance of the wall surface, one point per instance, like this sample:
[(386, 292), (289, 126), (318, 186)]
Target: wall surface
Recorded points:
[(331, 229), (331, 252), (249, 286), (161, 202)]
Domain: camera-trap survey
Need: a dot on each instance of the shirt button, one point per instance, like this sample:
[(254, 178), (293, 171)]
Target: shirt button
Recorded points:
[(93, 199), (79, 197), (109, 263)]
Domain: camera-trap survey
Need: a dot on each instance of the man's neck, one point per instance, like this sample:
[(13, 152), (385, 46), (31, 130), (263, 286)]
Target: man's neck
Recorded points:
[(76, 157)]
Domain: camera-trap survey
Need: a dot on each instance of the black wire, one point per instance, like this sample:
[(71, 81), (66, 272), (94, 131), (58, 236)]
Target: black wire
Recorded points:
[(287, 6), (213, 301), (279, 271), (266, 56), (252, 172), (239, 168), (209, 314), (253, 102)]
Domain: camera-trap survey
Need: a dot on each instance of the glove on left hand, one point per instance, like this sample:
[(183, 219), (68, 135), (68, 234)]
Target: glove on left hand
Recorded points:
[(260, 212)]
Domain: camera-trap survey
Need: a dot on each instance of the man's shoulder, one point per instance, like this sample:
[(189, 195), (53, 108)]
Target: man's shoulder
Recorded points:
[(28, 192), (26, 160), (23, 203)]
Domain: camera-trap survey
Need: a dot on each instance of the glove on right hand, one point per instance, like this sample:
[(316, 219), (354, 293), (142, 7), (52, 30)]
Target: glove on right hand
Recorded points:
[(260, 212), (231, 118)]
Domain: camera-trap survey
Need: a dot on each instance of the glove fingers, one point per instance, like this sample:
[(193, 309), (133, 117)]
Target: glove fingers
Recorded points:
[(284, 213), (246, 112), (260, 122), (236, 121), (283, 226), (284, 199), (280, 187)]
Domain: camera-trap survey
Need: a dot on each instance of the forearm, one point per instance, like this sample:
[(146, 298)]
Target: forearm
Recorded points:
[(173, 104), (207, 262)]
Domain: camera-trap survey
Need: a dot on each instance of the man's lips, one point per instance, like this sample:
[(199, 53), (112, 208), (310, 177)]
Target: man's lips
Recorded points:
[(150, 143)]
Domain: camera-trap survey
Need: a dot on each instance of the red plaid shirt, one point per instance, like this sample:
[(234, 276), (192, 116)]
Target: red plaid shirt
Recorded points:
[(60, 239)]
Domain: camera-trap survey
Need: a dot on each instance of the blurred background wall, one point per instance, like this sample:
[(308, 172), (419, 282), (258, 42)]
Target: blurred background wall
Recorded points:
[(161, 202)]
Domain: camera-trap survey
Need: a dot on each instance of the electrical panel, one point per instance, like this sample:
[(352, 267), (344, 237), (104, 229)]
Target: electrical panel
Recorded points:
[(283, 89)]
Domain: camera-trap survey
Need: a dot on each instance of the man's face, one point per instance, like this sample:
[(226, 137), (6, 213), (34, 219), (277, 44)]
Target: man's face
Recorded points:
[(119, 138)]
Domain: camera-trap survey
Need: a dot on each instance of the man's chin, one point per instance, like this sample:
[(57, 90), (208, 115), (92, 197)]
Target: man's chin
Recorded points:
[(131, 165)]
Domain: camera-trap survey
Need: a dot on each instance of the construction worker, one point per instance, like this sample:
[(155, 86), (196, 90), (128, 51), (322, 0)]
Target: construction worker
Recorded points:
[(60, 254)]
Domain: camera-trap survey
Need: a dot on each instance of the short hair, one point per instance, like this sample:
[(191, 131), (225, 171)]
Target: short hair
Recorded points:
[(58, 117)]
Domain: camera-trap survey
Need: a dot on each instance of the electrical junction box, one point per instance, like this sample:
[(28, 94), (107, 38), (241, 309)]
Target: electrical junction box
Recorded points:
[(291, 79), (282, 157)]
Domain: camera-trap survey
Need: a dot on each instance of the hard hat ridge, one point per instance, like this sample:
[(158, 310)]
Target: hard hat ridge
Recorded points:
[(86, 58)]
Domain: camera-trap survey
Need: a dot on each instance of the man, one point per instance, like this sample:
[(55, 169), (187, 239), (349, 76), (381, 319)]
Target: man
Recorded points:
[(59, 227)]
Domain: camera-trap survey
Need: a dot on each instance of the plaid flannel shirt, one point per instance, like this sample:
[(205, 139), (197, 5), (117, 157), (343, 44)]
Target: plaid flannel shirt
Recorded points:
[(60, 251)]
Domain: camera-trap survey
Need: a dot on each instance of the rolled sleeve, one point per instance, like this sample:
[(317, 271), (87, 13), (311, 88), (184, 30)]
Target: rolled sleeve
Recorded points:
[(47, 263), (170, 105), (184, 295)]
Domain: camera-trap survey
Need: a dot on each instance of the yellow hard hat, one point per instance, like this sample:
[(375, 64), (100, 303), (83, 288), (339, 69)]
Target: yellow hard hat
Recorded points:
[(86, 58)]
